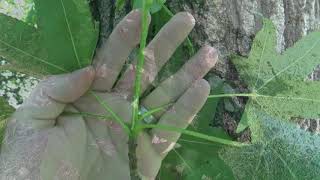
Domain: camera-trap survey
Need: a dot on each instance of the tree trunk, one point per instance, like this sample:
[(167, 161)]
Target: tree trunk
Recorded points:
[(230, 25)]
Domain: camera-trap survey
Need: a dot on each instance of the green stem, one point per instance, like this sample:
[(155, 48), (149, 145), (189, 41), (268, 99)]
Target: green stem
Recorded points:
[(167, 10), (192, 133), (87, 114), (101, 117), (234, 95), (140, 63), (113, 114), (153, 111)]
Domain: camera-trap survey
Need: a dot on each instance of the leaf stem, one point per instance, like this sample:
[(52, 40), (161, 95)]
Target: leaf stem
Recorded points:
[(113, 114), (234, 95), (153, 111), (140, 63), (86, 114), (167, 10), (192, 133)]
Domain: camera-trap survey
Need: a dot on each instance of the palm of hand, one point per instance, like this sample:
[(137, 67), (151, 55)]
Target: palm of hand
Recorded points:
[(87, 147)]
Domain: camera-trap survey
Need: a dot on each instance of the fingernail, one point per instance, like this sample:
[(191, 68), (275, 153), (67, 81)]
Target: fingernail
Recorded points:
[(188, 17), (211, 54)]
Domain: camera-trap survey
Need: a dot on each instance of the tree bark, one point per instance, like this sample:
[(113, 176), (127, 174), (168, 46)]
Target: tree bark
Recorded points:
[(230, 25)]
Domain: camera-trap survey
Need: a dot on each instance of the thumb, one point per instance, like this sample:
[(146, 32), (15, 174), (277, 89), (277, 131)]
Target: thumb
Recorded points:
[(48, 99)]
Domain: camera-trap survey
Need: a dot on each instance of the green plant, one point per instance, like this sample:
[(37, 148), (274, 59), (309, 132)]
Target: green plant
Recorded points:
[(277, 82), (63, 40), (278, 91)]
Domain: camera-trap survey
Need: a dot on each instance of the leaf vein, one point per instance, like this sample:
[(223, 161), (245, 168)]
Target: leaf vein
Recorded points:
[(290, 65), (70, 33), (34, 57)]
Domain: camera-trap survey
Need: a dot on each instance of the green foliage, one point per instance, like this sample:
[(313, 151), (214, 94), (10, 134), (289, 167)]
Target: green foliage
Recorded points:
[(280, 150), (155, 6), (278, 81), (63, 39), (280, 92), (120, 4)]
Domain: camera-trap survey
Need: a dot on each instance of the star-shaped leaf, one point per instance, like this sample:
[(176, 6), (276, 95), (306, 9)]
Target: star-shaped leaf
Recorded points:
[(278, 81), (280, 150)]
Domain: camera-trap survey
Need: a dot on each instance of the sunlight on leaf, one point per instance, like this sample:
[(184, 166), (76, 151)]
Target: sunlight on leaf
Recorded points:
[(18, 44), (280, 150), (296, 63), (279, 81)]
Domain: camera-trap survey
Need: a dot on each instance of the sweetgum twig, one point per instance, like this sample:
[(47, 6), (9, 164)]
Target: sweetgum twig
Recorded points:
[(137, 83)]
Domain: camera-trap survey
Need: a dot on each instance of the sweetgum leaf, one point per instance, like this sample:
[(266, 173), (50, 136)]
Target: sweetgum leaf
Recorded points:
[(19, 44), (265, 66), (63, 40), (301, 99), (280, 150), (68, 31), (279, 80)]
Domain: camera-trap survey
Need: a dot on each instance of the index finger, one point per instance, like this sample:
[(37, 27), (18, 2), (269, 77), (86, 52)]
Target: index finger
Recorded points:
[(111, 57)]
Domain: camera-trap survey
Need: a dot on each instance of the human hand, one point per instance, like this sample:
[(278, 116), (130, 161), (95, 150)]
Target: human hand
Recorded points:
[(43, 142)]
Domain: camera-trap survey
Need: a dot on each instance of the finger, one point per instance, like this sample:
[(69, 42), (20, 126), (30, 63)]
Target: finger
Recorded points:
[(159, 51), (172, 88), (148, 160), (112, 55), (49, 98), (180, 116)]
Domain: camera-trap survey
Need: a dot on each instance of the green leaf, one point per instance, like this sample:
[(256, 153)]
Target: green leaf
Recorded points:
[(300, 99), (243, 124), (278, 81), (63, 40), (120, 4), (5, 112), (68, 31), (265, 66), (155, 7), (280, 150), (18, 44), (197, 158)]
